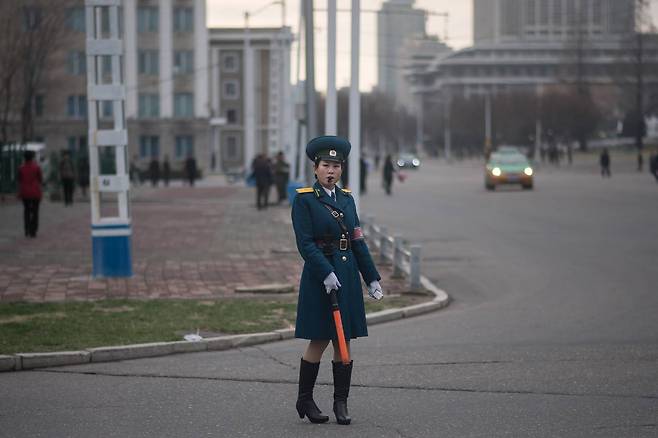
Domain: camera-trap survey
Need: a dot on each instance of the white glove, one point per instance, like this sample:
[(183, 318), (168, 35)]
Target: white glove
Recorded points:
[(331, 282), (375, 290)]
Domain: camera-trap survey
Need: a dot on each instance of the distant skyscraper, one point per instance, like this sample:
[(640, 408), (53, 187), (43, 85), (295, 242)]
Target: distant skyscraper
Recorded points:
[(497, 21), (396, 22)]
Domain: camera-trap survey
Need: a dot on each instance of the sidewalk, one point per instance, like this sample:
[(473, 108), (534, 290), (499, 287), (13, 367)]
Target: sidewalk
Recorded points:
[(200, 243)]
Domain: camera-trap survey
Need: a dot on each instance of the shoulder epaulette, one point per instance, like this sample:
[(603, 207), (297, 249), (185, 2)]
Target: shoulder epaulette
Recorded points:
[(347, 191), (305, 190)]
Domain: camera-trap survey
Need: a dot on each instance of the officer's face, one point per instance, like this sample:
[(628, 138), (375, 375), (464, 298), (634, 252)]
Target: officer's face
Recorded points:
[(328, 173)]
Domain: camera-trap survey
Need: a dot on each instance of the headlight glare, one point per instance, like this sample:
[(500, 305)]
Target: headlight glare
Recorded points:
[(496, 171), (528, 171)]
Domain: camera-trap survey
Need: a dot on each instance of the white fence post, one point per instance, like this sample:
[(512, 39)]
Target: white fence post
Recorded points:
[(397, 257), (414, 267), (383, 243)]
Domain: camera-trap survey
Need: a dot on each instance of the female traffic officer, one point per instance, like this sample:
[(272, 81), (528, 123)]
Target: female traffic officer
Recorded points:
[(330, 241)]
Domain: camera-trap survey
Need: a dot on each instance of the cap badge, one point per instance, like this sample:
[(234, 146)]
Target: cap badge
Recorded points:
[(332, 153)]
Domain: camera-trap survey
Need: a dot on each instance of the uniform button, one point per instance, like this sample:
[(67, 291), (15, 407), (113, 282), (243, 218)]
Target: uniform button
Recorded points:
[(344, 258)]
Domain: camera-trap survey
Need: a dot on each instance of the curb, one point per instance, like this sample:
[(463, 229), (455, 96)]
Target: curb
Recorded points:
[(27, 361)]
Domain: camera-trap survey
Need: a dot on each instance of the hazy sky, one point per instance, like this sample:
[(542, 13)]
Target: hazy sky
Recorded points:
[(230, 13)]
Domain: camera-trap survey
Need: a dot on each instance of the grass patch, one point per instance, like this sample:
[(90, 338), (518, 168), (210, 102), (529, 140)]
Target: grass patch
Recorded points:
[(43, 327)]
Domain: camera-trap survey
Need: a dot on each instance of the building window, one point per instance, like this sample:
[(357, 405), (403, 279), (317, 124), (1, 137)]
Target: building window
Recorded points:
[(148, 62), (75, 19), (106, 65), (147, 19), (229, 62), (31, 18), (184, 146), (77, 144), (149, 105), (38, 105), (183, 20), (77, 63), (232, 152), (183, 105), (230, 89), (183, 62), (231, 116), (107, 109), (76, 106), (149, 146)]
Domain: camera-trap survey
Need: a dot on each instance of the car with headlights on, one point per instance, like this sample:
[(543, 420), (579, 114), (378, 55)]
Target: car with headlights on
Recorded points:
[(508, 167), (407, 161)]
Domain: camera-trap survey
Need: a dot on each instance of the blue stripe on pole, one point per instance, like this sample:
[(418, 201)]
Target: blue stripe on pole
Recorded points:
[(112, 256)]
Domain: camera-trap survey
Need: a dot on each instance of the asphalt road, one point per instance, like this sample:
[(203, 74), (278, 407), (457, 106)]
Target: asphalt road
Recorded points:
[(553, 332)]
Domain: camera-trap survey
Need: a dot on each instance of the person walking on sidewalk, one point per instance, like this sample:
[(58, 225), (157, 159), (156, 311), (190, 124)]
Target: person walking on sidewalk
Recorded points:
[(154, 171), (330, 240), (67, 176), (262, 171), (30, 180), (604, 161), (83, 173), (387, 174), (190, 169), (281, 176), (166, 171)]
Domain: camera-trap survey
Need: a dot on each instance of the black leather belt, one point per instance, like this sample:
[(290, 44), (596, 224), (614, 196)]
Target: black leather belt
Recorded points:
[(329, 246)]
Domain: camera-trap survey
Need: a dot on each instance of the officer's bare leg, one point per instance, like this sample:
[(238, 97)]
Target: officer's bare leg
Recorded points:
[(337, 350), (315, 349)]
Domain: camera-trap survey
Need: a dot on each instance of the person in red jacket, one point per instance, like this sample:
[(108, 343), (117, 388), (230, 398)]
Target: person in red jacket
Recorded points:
[(29, 190)]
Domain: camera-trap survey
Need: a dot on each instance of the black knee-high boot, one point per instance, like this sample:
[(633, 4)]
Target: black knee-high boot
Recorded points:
[(308, 372), (342, 379)]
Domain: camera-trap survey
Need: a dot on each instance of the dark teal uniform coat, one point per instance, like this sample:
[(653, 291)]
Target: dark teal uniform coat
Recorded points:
[(312, 221)]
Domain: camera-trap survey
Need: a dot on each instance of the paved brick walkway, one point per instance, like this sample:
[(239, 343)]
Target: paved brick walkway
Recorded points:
[(200, 242)]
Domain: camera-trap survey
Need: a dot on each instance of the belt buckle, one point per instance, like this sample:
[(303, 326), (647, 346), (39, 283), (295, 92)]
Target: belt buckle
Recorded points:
[(343, 244)]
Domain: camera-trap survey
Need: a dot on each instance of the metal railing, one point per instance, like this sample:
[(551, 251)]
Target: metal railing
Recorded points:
[(393, 249)]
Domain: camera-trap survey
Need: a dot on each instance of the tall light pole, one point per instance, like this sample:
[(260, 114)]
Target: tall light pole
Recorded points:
[(249, 85), (330, 106), (487, 124), (248, 93), (355, 105)]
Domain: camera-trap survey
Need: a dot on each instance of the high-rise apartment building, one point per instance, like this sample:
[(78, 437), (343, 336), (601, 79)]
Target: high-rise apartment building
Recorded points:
[(397, 21)]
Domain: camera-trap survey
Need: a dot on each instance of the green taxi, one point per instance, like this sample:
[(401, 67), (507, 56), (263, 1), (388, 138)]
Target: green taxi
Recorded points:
[(508, 167)]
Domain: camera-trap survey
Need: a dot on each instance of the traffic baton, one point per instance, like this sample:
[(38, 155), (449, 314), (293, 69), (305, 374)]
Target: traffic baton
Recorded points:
[(342, 345)]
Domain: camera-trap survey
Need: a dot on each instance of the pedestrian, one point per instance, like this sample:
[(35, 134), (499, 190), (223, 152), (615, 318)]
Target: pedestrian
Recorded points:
[(83, 173), (281, 175), (604, 161), (262, 172), (330, 241), (67, 177), (387, 173), (190, 169), (363, 176), (30, 180), (154, 171), (166, 170), (134, 172), (653, 165), (640, 162)]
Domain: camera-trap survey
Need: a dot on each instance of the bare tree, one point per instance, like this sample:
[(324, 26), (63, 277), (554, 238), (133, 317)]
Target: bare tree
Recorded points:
[(11, 64), (30, 32)]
